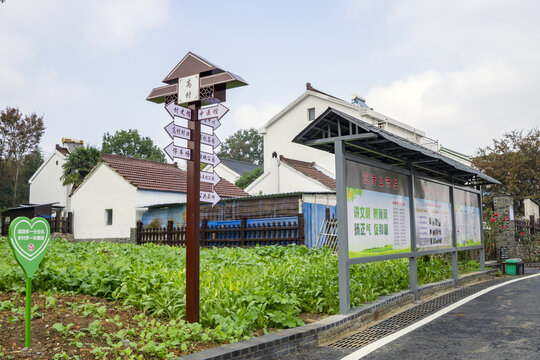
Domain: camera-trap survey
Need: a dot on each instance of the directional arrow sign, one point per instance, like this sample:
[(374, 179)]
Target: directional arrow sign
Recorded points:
[(178, 131), (179, 152), (211, 178), (212, 122), (175, 110), (208, 158), (214, 111), (211, 140), (211, 197)]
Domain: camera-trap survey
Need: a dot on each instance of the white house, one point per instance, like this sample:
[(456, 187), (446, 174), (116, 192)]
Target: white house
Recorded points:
[(231, 170), (289, 175), (46, 183), (113, 196), (279, 131)]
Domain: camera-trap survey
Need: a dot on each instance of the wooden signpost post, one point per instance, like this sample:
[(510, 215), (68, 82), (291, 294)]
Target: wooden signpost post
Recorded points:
[(29, 240), (192, 84)]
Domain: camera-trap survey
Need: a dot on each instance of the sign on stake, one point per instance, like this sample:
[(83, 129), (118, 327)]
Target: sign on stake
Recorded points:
[(29, 240)]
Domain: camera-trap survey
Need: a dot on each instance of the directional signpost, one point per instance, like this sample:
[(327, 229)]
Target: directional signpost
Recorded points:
[(213, 123), (211, 178), (179, 111), (192, 84)]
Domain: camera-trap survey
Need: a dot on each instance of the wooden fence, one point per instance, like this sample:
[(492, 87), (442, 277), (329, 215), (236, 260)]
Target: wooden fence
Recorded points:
[(59, 224), (531, 226), (235, 235)]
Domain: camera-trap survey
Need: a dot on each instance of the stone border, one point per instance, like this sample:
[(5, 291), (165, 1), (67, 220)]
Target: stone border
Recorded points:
[(278, 344)]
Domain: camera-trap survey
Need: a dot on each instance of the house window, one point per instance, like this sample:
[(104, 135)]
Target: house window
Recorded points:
[(108, 216), (311, 114)]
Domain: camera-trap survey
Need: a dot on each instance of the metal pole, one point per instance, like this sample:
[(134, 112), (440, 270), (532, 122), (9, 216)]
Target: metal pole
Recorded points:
[(343, 238), (483, 250), (455, 274), (193, 217), (28, 327), (413, 265)]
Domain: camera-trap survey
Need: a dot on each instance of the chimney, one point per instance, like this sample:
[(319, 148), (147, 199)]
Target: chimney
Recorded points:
[(274, 173)]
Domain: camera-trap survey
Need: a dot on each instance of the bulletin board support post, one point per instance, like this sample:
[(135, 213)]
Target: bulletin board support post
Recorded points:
[(413, 263), (483, 249), (343, 242), (455, 273)]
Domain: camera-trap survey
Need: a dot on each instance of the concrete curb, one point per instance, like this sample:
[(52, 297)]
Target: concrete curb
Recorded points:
[(278, 344)]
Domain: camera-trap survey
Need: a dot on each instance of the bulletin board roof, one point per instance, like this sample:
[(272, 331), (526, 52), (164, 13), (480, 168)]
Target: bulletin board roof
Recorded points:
[(368, 141)]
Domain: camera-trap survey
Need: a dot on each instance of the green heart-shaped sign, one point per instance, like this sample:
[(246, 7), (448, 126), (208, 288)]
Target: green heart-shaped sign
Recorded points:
[(29, 240)]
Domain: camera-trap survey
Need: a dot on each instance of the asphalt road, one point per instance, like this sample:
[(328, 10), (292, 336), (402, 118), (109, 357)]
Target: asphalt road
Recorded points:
[(501, 324)]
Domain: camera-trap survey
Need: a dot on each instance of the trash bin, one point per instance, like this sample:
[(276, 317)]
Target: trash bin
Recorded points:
[(514, 267)]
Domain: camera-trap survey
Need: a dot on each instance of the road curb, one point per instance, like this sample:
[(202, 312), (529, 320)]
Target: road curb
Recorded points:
[(281, 343)]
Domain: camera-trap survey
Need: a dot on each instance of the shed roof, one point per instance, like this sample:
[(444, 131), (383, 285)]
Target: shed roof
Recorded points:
[(370, 142), (153, 175)]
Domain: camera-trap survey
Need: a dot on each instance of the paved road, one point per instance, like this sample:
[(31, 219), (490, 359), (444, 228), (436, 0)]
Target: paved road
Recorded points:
[(501, 324)]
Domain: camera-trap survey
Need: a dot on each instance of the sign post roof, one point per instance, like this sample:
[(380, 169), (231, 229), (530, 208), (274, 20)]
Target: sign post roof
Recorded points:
[(192, 64)]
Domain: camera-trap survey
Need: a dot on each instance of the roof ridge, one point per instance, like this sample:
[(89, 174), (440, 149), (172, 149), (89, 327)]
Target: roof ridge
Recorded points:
[(130, 158), (281, 157), (311, 88), (317, 176), (242, 161)]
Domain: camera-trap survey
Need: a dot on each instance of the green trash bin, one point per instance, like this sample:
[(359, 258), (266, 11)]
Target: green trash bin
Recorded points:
[(514, 266)]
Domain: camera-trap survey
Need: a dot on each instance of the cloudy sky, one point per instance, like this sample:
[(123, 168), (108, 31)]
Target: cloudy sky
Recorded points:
[(462, 71)]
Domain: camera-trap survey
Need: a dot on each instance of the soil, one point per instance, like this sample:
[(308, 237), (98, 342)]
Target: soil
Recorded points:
[(79, 310)]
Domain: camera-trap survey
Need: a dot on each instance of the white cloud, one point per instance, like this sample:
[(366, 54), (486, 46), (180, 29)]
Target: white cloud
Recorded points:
[(463, 109), (254, 116), (463, 71), (119, 23), (106, 25)]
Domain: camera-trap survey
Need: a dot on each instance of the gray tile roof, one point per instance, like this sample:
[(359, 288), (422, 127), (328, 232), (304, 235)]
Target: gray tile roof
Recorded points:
[(239, 167)]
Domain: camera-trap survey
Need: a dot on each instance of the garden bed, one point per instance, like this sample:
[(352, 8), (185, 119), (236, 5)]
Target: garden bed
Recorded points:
[(244, 293)]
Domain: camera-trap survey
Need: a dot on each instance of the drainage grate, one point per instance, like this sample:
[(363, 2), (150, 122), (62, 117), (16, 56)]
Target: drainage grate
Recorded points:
[(400, 321)]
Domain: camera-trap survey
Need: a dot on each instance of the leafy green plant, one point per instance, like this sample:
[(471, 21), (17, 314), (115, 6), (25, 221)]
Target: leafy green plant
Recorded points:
[(61, 328), (241, 290)]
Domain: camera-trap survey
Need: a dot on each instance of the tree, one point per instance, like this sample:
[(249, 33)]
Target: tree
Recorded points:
[(130, 143), (243, 145), (30, 164), (248, 177), (78, 164), (514, 160), (19, 136)]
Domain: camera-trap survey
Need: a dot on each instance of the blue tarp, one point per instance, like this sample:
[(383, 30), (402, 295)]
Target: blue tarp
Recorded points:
[(314, 216)]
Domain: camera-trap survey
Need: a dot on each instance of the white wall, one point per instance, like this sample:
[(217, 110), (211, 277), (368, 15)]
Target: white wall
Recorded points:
[(46, 185), (320, 199), (149, 197), (531, 208), (226, 173), (103, 189), (279, 135)]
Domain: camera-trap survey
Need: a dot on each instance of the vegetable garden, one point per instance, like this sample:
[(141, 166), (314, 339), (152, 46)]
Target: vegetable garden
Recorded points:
[(243, 291)]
